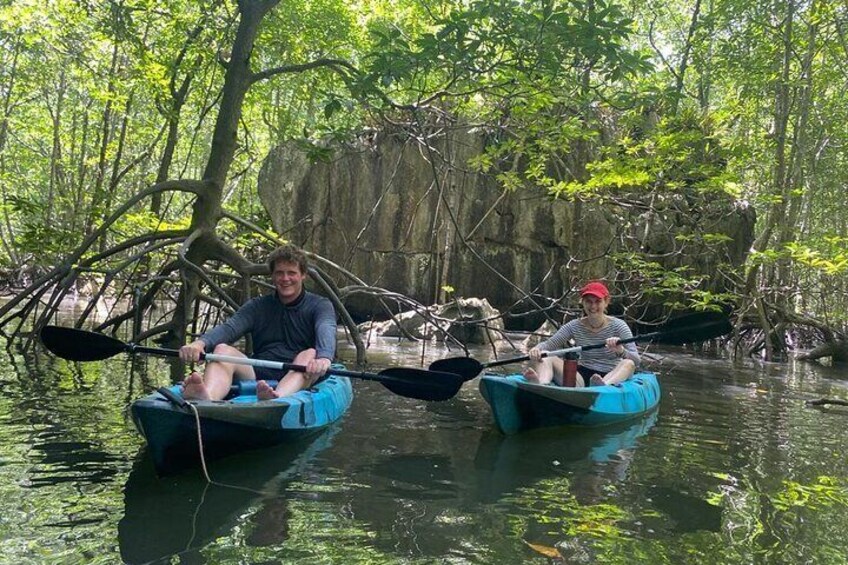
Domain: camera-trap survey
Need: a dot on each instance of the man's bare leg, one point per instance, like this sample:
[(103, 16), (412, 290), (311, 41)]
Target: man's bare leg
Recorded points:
[(292, 382), (217, 377), (194, 388)]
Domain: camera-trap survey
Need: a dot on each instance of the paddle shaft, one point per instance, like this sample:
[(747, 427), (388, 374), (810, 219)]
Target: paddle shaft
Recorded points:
[(575, 349), (280, 366), (694, 327), (82, 345)]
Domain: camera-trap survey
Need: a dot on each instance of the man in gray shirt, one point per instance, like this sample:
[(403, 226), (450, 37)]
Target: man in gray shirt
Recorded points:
[(291, 325)]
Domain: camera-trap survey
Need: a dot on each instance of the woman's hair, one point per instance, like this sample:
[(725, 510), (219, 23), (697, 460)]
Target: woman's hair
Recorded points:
[(289, 254)]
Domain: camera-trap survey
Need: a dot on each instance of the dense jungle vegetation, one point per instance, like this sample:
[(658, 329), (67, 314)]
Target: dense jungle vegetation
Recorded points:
[(132, 132)]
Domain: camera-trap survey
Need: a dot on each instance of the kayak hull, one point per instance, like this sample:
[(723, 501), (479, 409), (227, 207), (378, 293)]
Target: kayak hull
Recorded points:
[(519, 405), (236, 424)]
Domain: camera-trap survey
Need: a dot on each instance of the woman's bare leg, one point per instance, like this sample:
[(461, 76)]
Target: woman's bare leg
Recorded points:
[(544, 371), (623, 371)]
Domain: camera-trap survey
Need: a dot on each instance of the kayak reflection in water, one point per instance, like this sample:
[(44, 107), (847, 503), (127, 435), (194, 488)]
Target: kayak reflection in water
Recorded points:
[(607, 366)]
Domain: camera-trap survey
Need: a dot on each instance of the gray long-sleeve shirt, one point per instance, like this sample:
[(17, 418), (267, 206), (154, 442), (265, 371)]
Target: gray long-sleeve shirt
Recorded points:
[(280, 331)]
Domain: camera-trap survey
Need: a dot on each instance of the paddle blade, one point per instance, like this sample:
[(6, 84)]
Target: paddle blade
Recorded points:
[(693, 328), (80, 345), (421, 384), (466, 367)]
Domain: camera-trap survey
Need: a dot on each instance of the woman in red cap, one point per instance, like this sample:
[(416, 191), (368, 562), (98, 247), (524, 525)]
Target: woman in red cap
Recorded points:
[(614, 364)]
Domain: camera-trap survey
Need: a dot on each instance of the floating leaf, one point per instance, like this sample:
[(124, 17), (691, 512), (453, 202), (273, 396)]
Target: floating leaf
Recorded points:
[(545, 550)]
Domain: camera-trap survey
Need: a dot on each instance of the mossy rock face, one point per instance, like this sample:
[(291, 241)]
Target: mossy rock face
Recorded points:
[(376, 209)]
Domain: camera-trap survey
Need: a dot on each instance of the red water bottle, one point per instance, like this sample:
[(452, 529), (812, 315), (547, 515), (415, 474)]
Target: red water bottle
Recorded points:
[(569, 370)]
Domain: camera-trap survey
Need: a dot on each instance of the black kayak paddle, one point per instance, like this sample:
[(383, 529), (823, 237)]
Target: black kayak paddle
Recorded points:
[(692, 328), (81, 345)]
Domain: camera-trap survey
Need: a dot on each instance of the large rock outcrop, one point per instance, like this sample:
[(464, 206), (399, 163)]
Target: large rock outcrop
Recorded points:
[(412, 221)]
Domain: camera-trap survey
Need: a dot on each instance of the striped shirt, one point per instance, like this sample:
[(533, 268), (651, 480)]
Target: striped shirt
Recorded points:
[(596, 359)]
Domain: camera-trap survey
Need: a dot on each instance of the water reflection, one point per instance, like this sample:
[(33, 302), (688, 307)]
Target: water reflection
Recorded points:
[(734, 468), (180, 515), (419, 476), (77, 462), (426, 498), (504, 463), (685, 512)]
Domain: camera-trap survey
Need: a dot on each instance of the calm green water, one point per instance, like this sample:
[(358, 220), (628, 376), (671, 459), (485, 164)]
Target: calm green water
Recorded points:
[(733, 468)]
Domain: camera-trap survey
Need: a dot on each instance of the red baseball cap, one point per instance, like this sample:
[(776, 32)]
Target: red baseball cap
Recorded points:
[(596, 289)]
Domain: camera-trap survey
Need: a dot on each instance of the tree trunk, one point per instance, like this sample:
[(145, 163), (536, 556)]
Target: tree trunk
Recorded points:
[(56, 150), (115, 175), (105, 130), (836, 350), (757, 282), (705, 73), (8, 93), (795, 175), (207, 210), (684, 58)]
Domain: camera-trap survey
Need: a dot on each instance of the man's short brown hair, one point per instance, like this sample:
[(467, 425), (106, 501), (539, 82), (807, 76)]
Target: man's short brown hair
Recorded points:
[(288, 254)]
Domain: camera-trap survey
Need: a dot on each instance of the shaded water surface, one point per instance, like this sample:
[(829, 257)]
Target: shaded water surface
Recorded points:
[(732, 468)]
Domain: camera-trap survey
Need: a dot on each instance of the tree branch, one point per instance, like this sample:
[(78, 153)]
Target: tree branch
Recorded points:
[(338, 65)]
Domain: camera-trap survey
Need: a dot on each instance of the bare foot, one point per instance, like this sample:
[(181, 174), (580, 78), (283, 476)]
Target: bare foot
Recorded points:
[(596, 380), (194, 388), (265, 392), (531, 375)]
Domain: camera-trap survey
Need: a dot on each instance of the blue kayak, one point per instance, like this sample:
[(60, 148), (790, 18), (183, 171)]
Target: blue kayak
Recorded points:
[(237, 423), (521, 405)]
